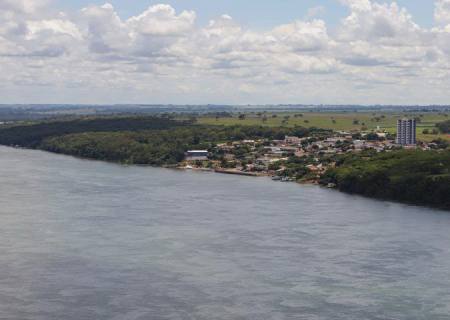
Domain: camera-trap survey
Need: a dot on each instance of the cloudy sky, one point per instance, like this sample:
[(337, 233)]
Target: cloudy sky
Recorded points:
[(225, 51)]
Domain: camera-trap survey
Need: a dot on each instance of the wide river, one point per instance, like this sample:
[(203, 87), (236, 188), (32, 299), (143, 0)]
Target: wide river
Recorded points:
[(82, 240)]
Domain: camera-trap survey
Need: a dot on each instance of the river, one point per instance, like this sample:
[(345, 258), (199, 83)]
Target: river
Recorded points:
[(82, 240)]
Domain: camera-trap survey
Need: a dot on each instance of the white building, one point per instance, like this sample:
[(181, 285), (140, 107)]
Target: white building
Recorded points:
[(406, 132), (197, 155)]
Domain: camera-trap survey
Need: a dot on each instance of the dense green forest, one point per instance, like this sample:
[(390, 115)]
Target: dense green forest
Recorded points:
[(150, 140), (417, 177), (32, 135), (444, 126)]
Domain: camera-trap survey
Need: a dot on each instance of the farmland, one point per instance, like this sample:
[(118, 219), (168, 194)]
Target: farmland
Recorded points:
[(354, 121)]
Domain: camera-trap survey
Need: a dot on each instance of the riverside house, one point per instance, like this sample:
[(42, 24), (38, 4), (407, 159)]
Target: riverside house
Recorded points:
[(197, 155)]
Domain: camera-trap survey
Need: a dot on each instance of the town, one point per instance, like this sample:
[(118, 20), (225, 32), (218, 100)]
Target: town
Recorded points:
[(302, 159)]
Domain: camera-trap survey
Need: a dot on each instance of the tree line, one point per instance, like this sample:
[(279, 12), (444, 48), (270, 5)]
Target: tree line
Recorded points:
[(31, 135), (411, 176), (135, 140)]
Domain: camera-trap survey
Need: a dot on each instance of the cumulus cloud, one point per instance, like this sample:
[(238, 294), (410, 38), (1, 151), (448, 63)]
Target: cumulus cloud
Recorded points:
[(376, 51), (303, 36), (104, 30), (162, 20), (442, 12), (358, 5), (379, 23), (24, 6), (147, 34)]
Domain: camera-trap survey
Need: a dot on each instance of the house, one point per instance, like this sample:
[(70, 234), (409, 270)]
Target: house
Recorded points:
[(300, 153), (289, 140), (359, 144), (197, 155)]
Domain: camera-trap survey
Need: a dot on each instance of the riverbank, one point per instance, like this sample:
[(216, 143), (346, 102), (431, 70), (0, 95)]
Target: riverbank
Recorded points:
[(306, 155), (329, 180), (408, 176)]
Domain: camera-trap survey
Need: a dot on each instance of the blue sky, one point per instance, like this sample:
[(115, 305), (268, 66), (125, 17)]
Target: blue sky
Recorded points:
[(259, 14)]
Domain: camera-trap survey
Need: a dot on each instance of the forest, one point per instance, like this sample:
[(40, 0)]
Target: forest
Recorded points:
[(32, 134), (410, 176)]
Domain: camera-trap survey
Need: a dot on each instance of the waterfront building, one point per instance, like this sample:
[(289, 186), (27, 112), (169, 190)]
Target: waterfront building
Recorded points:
[(406, 132), (197, 155)]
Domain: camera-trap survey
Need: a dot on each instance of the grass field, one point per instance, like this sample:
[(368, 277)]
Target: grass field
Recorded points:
[(336, 121)]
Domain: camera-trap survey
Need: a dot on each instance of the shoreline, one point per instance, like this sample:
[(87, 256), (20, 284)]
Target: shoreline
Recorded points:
[(229, 172)]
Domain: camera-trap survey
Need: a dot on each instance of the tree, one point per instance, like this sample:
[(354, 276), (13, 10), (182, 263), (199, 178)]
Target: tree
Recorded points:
[(444, 127), (371, 136)]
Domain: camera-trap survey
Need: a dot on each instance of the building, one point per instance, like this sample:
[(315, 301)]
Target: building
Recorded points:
[(292, 140), (406, 132), (197, 155)]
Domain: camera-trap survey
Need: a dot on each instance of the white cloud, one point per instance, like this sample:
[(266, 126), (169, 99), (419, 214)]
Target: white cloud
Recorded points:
[(162, 20), (22, 6), (442, 12), (374, 53), (379, 23), (54, 27), (358, 5), (105, 31), (303, 36)]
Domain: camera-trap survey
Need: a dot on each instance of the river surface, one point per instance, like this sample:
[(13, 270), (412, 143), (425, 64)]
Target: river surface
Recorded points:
[(82, 240)]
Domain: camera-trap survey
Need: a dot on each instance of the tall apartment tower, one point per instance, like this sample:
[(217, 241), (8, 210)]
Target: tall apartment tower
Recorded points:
[(406, 132)]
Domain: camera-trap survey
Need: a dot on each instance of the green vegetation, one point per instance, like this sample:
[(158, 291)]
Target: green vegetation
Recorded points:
[(150, 140), (347, 121), (32, 135), (444, 126), (417, 177), (164, 147)]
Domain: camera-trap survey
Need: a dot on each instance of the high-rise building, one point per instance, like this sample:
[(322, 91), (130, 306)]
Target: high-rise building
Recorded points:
[(406, 132)]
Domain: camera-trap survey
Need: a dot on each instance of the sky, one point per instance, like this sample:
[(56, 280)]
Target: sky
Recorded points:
[(225, 51), (254, 13)]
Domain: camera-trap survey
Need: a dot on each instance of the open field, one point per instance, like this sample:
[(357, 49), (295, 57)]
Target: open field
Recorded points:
[(335, 121)]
